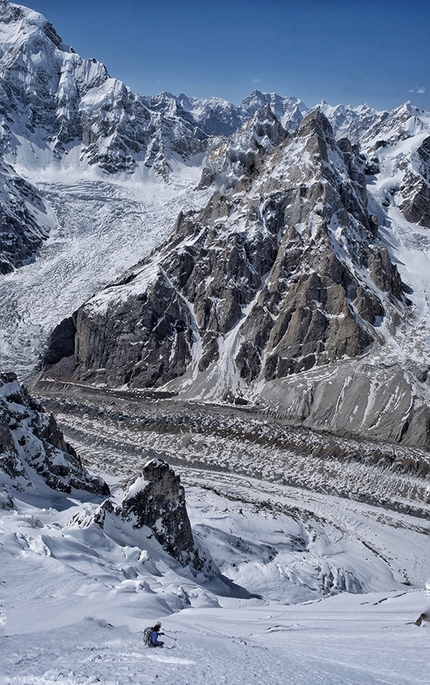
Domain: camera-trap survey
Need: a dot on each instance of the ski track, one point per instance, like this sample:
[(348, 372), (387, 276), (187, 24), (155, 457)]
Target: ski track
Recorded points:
[(281, 645)]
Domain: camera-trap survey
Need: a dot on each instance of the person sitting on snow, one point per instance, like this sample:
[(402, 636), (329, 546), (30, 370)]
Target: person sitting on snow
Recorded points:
[(155, 642)]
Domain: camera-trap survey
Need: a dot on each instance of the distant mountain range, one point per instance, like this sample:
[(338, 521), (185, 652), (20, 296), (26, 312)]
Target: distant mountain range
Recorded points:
[(301, 284)]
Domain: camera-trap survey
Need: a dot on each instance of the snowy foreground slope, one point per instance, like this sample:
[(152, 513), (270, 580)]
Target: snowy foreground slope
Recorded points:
[(76, 601)]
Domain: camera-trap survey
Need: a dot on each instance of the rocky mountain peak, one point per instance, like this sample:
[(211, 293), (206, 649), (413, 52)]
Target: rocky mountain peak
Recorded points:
[(288, 110), (282, 273), (271, 278), (399, 145), (352, 122), (157, 500), (59, 102), (265, 127), (236, 158)]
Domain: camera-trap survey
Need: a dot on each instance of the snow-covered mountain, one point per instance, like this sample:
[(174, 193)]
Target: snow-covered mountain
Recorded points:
[(61, 110), (240, 293), (220, 118), (283, 279), (287, 284), (353, 122)]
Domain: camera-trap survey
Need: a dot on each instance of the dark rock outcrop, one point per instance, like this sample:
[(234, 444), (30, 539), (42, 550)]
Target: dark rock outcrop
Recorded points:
[(155, 504), (415, 188), (157, 500), (24, 220), (33, 447)]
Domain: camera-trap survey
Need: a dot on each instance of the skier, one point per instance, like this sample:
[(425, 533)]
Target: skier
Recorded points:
[(155, 642)]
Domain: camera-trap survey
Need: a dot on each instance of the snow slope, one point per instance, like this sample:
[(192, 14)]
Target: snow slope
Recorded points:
[(314, 587), (77, 601), (404, 131)]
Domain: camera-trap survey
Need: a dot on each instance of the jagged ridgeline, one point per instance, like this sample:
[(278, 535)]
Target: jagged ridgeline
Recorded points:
[(281, 273), (34, 456), (281, 290), (60, 111)]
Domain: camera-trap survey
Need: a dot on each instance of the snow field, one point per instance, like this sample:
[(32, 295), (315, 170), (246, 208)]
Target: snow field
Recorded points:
[(76, 600)]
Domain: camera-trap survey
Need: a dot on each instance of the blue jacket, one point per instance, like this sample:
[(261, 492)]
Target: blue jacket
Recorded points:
[(154, 637)]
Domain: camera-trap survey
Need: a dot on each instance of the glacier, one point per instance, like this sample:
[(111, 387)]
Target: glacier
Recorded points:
[(309, 490)]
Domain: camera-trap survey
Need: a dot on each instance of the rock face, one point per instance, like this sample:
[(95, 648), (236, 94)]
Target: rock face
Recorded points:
[(155, 503), (281, 272), (157, 500), (32, 447), (400, 144), (354, 397), (415, 192), (24, 220), (280, 290)]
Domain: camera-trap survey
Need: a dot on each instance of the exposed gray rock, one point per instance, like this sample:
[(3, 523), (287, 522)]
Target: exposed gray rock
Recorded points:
[(153, 334), (155, 503), (353, 398), (235, 161), (24, 220), (415, 188), (284, 262), (157, 500), (33, 447), (62, 342), (288, 110)]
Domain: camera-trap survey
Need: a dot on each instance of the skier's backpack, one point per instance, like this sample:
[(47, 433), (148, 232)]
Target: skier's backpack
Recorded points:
[(147, 633)]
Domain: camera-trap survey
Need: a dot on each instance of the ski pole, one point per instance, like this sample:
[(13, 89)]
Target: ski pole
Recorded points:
[(166, 635)]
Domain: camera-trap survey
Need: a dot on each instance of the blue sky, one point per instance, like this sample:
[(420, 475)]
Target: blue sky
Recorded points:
[(371, 51)]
